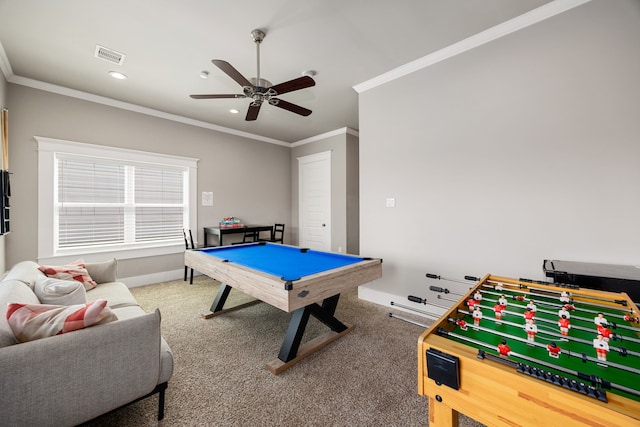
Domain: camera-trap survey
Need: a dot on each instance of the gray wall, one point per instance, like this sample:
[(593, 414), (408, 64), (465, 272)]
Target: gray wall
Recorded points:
[(249, 179), (344, 189), (520, 150)]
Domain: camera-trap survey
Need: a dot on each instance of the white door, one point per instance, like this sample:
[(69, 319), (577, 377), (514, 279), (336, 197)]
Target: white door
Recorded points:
[(314, 195)]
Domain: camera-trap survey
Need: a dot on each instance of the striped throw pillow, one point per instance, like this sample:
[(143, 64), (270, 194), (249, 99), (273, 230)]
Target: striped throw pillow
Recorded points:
[(30, 322)]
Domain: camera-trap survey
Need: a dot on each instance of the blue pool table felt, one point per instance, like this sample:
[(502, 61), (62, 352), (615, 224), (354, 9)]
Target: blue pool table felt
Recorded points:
[(287, 262)]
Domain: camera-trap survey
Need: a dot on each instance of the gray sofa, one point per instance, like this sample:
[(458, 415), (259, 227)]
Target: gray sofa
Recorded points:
[(74, 377)]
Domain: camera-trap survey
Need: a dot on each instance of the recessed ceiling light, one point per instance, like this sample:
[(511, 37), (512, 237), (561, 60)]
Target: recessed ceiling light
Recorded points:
[(234, 111), (204, 74), (117, 75)]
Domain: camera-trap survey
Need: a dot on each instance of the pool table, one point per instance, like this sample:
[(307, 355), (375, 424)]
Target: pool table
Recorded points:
[(300, 281)]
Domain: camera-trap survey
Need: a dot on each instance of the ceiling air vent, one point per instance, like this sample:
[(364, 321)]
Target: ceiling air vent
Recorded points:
[(109, 55)]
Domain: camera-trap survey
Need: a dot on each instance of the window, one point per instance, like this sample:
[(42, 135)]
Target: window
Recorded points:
[(104, 199)]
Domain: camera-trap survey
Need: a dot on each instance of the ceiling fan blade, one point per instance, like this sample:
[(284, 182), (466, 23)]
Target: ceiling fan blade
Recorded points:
[(295, 84), (253, 111), (289, 106), (237, 95), (232, 72)]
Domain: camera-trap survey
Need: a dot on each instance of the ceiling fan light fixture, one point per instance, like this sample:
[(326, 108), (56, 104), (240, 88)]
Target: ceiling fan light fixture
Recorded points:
[(309, 73), (234, 111), (204, 74)]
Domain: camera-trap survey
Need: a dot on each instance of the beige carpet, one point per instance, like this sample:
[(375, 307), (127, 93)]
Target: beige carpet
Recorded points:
[(366, 378)]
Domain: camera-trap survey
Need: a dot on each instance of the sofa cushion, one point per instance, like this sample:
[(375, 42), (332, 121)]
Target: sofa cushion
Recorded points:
[(25, 271), (12, 291), (103, 272), (74, 271), (116, 293), (50, 290), (34, 321)]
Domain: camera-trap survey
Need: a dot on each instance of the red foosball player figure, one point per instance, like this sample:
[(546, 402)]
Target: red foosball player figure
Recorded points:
[(564, 325), (477, 296), (531, 329), (519, 298), (498, 309), (554, 350), (502, 300), (531, 305), (604, 331), (462, 324), (477, 315), (470, 303), (529, 314), (600, 319), (570, 307), (631, 319), (503, 348), (564, 312), (601, 346)]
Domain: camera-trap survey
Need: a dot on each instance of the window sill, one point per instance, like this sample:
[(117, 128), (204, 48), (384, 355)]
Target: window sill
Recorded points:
[(100, 254)]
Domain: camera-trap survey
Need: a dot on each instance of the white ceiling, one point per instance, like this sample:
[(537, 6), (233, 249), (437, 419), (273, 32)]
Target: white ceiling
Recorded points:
[(168, 43)]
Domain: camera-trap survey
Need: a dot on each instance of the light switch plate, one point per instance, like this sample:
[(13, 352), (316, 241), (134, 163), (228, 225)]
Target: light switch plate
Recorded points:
[(207, 198)]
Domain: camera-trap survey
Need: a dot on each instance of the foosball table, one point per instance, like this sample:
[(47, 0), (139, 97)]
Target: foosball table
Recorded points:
[(513, 352)]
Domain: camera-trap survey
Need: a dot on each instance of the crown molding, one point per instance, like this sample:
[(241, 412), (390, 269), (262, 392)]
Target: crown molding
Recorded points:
[(326, 135), (61, 90), (526, 19), (5, 66)]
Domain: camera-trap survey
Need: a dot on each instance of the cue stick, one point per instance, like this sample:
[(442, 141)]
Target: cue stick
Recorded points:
[(395, 304), (393, 316), (568, 352)]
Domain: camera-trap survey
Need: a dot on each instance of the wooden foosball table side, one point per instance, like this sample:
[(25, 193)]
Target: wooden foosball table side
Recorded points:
[(497, 395)]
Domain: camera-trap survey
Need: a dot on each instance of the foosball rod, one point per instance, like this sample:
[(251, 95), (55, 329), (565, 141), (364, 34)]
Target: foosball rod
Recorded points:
[(531, 295), (568, 353), (434, 315), (573, 316), (424, 301), (615, 301), (444, 290), (404, 319), (540, 362)]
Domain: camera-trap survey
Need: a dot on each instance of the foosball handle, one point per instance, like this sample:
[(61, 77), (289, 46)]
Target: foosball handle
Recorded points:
[(438, 289), (472, 278), (417, 299), (432, 276)]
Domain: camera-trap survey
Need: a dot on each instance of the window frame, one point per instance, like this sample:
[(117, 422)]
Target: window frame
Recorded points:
[(47, 150)]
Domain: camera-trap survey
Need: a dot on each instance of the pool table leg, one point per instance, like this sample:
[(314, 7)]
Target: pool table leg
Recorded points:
[(298, 324), (221, 298)]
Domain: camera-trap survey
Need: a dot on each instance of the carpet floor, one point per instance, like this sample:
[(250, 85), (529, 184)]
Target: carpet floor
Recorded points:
[(366, 378)]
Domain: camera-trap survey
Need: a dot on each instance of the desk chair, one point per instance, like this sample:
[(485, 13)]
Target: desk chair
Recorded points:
[(188, 243), (250, 236), (277, 234)]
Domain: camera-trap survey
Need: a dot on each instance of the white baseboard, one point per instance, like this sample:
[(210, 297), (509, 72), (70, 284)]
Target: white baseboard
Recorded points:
[(385, 299), (148, 279)]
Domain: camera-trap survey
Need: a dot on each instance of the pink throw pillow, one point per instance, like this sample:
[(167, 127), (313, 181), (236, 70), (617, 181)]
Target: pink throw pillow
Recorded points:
[(75, 271), (34, 321)]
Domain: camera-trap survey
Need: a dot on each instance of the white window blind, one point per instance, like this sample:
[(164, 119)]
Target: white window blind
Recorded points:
[(114, 202)]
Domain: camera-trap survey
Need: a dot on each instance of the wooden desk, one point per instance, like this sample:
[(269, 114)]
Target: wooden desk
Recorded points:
[(220, 232)]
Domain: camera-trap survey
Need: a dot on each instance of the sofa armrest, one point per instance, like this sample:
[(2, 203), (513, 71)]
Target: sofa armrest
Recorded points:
[(74, 377)]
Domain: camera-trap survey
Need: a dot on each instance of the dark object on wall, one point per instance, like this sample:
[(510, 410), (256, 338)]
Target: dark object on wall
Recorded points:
[(5, 187), (605, 277)]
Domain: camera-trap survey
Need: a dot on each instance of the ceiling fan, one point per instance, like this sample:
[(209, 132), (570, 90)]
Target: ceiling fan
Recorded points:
[(260, 90)]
